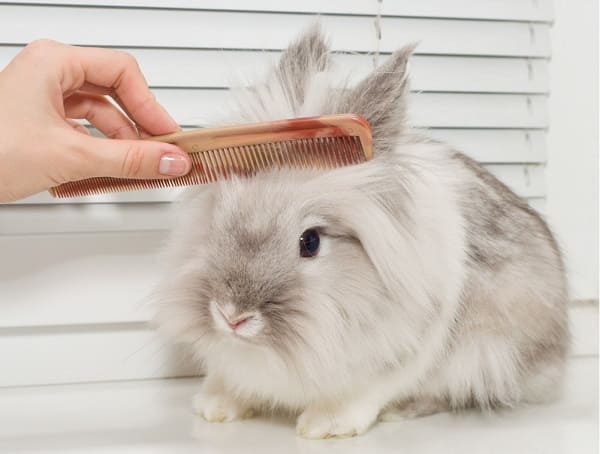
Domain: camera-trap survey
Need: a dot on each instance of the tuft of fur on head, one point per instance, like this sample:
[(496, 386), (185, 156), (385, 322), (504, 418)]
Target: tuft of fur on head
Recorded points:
[(302, 85), (433, 282)]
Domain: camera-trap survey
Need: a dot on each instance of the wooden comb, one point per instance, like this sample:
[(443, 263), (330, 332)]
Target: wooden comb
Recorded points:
[(324, 142)]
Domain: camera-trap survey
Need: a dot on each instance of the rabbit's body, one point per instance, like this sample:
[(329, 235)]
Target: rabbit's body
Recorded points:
[(434, 287)]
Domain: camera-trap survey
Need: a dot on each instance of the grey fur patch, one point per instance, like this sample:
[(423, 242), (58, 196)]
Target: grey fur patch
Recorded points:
[(496, 214), (299, 62), (381, 99)]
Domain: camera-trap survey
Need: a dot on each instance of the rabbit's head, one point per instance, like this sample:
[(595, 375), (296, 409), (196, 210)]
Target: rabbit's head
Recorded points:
[(300, 265)]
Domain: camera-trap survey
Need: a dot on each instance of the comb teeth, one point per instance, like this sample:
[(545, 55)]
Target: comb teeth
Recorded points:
[(246, 160)]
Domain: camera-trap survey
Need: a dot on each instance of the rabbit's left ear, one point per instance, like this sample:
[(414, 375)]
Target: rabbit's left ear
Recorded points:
[(306, 56), (381, 99)]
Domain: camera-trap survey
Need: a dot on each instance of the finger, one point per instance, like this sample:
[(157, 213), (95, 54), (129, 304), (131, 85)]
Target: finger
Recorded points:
[(119, 72), (95, 89), (103, 115), (131, 158), (141, 132)]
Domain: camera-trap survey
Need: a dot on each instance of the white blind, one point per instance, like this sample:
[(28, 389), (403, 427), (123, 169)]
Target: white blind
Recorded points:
[(74, 274)]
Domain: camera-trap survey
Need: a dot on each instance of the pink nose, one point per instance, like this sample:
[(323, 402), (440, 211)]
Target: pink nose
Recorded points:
[(233, 325)]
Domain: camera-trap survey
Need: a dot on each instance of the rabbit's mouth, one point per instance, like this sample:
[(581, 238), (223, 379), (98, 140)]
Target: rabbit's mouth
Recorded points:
[(229, 321)]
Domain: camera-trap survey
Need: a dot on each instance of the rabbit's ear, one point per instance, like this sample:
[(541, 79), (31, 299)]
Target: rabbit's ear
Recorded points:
[(374, 204), (381, 99), (306, 56)]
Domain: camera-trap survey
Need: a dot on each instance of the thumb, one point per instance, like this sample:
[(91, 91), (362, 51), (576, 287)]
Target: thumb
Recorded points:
[(133, 159)]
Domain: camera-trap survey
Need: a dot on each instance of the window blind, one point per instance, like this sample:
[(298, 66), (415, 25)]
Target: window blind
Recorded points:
[(74, 273)]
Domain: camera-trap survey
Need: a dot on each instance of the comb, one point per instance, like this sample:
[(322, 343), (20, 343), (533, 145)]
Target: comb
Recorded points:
[(324, 142)]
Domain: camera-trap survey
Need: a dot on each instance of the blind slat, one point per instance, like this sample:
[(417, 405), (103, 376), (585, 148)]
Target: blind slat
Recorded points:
[(526, 181), (539, 10), (440, 110), (85, 217), (204, 29), (221, 69), (85, 356), (63, 279), (450, 110), (496, 146)]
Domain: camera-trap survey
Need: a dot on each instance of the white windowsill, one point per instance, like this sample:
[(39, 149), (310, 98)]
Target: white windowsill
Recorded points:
[(153, 416)]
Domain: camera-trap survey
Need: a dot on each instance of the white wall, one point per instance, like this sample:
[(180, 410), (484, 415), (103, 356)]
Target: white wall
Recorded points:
[(572, 172)]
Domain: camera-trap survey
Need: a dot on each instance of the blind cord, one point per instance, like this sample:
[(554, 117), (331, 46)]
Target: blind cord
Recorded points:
[(377, 24)]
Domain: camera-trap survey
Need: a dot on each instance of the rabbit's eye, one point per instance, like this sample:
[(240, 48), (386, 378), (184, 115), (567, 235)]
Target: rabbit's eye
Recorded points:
[(309, 243)]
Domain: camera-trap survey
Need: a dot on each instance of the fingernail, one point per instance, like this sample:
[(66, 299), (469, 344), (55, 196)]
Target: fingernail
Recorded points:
[(173, 165)]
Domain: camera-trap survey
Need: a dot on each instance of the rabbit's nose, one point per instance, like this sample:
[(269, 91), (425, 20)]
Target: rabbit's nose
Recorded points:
[(233, 324), (231, 317)]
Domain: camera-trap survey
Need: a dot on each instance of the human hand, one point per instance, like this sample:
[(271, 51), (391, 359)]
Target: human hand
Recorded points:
[(48, 85)]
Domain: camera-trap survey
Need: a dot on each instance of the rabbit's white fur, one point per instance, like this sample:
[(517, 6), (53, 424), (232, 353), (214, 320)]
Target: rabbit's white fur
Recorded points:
[(435, 287)]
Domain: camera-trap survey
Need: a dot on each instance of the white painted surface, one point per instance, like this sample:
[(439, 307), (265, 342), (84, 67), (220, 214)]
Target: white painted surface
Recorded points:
[(192, 28), (87, 353), (166, 68), (584, 328), (573, 141), (442, 110), (57, 280), (154, 416), (93, 217), (538, 10), (496, 146)]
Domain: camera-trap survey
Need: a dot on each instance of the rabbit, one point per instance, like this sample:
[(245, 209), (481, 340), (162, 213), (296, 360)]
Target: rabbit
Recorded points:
[(412, 284)]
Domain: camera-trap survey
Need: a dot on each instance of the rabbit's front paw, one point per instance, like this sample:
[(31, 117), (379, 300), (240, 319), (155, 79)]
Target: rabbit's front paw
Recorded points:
[(219, 408), (340, 423)]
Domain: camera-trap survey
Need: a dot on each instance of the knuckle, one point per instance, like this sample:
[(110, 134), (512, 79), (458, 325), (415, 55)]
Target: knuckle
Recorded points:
[(128, 60), (132, 161), (42, 43), (46, 49), (42, 46)]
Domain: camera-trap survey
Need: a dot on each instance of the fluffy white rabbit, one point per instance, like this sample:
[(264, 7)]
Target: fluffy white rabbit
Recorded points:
[(412, 284)]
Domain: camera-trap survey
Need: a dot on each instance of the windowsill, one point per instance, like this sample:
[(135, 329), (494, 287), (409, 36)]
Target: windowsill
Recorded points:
[(154, 416)]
